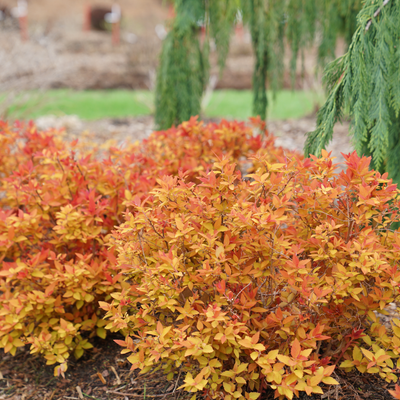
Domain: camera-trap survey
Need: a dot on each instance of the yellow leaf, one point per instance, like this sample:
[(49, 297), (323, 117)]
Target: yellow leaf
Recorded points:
[(240, 380), (229, 387), (179, 224), (78, 353), (288, 393), (101, 332), (368, 354), (18, 343), (299, 373), (89, 297), (277, 377), (317, 389), (272, 354), (330, 381), (219, 251), (229, 374), (86, 345), (209, 226), (357, 353), (246, 343), (77, 296), (396, 330), (285, 359), (79, 304), (259, 309), (128, 195), (367, 340), (208, 349), (315, 380), (346, 364), (254, 355)]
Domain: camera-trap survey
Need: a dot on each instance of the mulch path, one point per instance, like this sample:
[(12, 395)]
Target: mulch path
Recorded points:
[(104, 374)]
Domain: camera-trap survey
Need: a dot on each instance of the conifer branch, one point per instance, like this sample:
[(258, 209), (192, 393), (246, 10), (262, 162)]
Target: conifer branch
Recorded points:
[(365, 81), (376, 13)]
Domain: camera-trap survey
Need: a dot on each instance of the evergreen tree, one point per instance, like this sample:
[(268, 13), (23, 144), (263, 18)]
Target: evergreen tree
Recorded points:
[(183, 70), (365, 82), (184, 65)]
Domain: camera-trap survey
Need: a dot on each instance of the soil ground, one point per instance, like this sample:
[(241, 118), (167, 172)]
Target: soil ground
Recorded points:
[(104, 374)]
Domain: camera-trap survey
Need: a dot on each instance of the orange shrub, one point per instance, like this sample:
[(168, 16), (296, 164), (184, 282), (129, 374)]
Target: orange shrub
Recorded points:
[(270, 282), (60, 202)]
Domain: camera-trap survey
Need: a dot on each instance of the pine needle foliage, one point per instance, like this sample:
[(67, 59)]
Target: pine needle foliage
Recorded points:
[(366, 83), (183, 71)]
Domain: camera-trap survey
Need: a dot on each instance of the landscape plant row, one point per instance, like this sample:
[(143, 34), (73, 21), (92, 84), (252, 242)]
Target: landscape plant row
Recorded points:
[(222, 259)]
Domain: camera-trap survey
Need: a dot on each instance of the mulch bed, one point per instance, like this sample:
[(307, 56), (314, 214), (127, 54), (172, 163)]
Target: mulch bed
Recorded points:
[(104, 374)]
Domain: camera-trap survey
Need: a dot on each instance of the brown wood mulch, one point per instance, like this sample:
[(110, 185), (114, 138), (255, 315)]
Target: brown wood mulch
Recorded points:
[(104, 374)]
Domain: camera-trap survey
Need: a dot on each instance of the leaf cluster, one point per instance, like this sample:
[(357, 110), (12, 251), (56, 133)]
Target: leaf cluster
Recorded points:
[(272, 281), (59, 204)]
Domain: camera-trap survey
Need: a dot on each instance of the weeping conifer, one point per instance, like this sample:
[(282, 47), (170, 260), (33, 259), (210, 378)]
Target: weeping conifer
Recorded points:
[(183, 67), (274, 22), (184, 63), (266, 23), (182, 74), (365, 82)]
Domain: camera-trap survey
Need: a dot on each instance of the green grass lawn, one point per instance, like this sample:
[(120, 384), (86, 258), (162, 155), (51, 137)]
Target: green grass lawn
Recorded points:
[(238, 104), (91, 105)]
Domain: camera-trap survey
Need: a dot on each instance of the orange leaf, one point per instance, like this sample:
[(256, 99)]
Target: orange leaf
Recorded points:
[(296, 348)]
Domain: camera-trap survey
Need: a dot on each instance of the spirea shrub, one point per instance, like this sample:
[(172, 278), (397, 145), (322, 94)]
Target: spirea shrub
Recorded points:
[(269, 281), (60, 202)]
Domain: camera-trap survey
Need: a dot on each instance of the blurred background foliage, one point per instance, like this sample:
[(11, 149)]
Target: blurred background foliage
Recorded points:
[(273, 24)]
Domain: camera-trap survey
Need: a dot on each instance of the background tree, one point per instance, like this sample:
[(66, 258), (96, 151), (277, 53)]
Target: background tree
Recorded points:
[(183, 71), (365, 83), (184, 64)]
